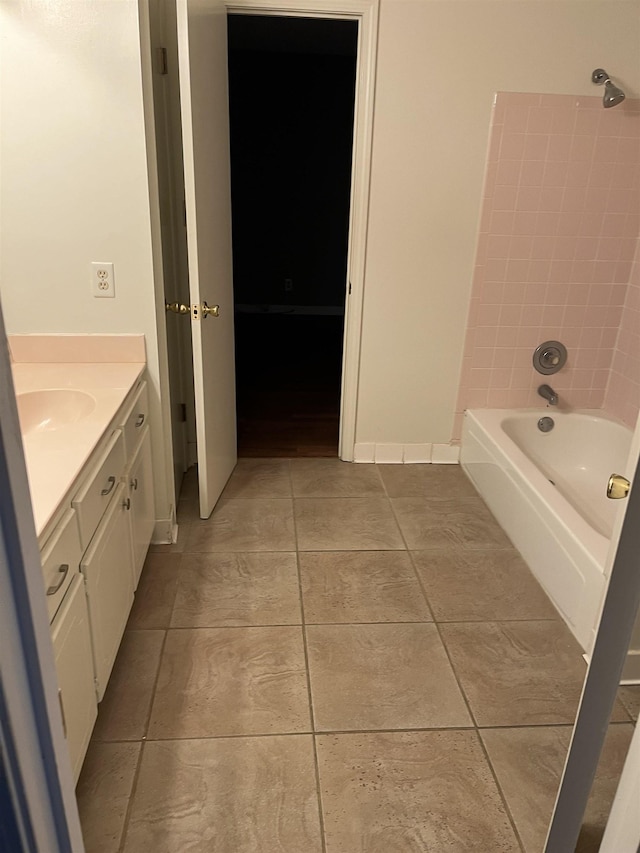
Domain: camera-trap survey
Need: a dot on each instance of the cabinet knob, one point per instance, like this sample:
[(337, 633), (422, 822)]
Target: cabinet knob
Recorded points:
[(139, 421)]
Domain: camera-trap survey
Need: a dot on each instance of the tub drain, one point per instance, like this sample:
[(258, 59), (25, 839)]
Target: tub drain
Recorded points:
[(546, 424)]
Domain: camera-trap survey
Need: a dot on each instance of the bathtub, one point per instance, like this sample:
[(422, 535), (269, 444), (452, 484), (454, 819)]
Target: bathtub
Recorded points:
[(548, 492)]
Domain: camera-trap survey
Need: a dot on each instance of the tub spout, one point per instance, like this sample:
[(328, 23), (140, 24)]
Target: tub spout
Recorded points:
[(549, 394)]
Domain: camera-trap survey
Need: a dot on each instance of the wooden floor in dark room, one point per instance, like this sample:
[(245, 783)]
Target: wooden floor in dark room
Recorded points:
[(288, 375)]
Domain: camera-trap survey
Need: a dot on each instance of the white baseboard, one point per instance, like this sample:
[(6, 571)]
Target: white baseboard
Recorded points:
[(445, 454), (165, 531), (631, 670), (406, 454)]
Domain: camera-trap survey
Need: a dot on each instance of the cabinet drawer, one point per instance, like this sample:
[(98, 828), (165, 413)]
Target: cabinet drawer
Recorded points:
[(135, 418), (61, 561), (93, 498), (74, 667)]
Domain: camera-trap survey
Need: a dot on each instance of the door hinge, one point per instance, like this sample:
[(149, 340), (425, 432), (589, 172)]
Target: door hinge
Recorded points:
[(183, 412), (162, 65)]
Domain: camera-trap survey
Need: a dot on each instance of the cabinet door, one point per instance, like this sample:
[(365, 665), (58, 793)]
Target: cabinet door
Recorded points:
[(108, 570), (142, 507), (74, 665)]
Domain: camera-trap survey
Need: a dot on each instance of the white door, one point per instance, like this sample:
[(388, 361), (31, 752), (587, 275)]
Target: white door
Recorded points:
[(202, 59)]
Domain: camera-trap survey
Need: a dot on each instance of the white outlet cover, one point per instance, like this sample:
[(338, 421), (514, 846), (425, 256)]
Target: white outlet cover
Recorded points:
[(102, 280)]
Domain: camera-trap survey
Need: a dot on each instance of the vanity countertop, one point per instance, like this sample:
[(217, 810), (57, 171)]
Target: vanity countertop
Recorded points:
[(104, 367), (55, 457)]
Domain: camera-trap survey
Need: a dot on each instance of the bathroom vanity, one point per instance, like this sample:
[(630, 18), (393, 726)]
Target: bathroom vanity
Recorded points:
[(87, 442)]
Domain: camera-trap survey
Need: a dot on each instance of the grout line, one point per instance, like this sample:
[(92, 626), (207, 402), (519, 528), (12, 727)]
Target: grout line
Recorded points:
[(125, 825), (336, 732), (512, 820), (319, 733), (316, 767), (354, 622), (134, 787)]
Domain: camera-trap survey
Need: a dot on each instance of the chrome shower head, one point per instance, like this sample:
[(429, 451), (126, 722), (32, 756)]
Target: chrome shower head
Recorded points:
[(612, 94)]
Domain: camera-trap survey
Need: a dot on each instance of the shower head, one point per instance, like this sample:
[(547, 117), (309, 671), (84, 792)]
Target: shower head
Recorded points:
[(612, 94)]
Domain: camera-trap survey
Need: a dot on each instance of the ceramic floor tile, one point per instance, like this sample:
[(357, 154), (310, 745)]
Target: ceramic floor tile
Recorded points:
[(528, 763), (394, 676), (629, 695), (156, 592), (123, 714), (427, 481), (189, 486), (103, 793), (231, 681), (517, 673), (245, 525), (464, 523), (188, 511), (346, 524), (332, 478), (410, 792), (361, 586), (227, 795), (237, 589), (259, 478), (464, 585)]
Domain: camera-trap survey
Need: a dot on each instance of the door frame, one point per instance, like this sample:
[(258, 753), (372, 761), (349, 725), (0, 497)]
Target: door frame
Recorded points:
[(618, 615), (366, 13)]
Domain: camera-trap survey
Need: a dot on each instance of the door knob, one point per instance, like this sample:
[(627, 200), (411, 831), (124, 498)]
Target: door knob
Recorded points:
[(213, 310), (176, 307), (618, 487)]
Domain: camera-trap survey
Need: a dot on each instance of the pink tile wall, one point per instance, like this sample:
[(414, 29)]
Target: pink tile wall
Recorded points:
[(559, 225), (623, 392)]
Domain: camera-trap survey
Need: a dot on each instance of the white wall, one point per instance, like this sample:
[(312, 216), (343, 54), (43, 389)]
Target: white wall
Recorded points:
[(74, 183), (439, 63)]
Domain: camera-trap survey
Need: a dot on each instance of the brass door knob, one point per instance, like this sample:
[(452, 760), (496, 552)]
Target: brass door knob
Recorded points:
[(177, 307), (617, 487), (213, 310)]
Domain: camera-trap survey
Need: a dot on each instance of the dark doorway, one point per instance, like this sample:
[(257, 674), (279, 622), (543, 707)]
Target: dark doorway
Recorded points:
[(291, 90)]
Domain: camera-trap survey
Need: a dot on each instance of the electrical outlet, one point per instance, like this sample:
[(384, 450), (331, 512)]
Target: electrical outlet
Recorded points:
[(102, 280)]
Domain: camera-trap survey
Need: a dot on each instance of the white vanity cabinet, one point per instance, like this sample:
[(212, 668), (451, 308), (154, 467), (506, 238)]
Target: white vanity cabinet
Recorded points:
[(92, 559)]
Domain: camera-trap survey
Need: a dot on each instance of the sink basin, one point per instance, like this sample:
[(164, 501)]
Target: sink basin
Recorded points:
[(41, 411)]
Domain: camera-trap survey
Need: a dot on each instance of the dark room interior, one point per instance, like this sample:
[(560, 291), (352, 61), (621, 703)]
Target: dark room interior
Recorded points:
[(292, 84)]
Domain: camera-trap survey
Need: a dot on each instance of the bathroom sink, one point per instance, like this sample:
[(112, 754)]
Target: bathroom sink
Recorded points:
[(41, 411)]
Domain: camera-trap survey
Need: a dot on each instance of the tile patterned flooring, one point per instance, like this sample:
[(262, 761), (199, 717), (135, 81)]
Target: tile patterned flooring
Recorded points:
[(342, 659)]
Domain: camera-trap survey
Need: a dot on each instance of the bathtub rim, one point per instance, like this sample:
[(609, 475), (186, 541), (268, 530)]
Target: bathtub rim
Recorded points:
[(581, 534)]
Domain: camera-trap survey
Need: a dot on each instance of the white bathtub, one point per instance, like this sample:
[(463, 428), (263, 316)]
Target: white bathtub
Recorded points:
[(548, 491)]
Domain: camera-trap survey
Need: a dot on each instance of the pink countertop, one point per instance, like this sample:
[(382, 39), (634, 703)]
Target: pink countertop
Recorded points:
[(55, 457)]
